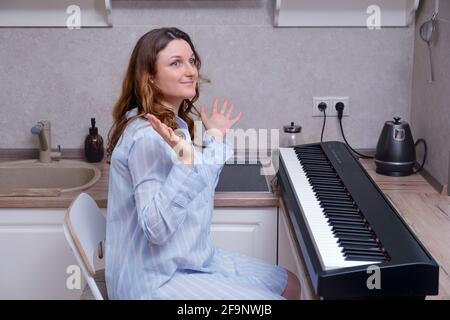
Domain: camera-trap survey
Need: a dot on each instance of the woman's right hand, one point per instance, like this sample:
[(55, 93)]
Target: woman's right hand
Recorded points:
[(183, 149)]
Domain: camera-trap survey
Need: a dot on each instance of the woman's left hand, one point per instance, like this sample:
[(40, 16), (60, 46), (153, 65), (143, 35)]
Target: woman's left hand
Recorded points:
[(219, 121)]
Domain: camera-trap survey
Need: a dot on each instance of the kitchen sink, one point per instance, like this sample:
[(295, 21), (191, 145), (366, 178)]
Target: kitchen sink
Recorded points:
[(34, 178)]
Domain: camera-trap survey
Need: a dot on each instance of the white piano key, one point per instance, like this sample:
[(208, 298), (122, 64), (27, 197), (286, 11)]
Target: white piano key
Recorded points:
[(325, 241)]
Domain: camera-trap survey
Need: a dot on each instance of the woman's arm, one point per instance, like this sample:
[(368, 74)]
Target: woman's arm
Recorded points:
[(161, 201), (210, 160)]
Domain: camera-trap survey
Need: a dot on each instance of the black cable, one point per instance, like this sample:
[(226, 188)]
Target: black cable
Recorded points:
[(323, 126), (340, 110), (424, 153), (346, 142)]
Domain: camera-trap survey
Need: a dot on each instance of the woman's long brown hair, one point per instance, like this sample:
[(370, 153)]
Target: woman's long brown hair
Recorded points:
[(138, 91)]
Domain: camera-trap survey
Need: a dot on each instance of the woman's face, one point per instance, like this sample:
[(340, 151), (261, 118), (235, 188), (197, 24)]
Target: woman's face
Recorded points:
[(176, 73)]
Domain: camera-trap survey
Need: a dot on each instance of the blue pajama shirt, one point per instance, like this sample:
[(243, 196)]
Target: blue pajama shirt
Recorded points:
[(158, 241)]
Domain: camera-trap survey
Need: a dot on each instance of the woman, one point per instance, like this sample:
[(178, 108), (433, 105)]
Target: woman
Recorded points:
[(161, 187)]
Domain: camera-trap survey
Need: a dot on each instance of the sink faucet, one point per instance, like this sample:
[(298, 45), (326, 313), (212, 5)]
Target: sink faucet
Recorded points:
[(42, 129)]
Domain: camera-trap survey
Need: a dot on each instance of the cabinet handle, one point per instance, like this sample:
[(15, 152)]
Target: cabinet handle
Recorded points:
[(100, 250)]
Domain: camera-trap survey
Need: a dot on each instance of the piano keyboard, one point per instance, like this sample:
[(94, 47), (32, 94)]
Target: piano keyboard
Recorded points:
[(342, 236), (343, 223)]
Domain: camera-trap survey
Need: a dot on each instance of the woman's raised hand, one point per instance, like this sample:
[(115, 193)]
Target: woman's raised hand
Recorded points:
[(183, 149), (164, 131), (219, 120)]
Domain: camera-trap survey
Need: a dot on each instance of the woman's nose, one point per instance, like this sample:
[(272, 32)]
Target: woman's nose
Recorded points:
[(190, 69)]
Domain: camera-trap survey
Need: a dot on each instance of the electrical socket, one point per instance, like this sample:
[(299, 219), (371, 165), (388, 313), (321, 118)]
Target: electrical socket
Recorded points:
[(331, 106), (317, 101), (345, 101)]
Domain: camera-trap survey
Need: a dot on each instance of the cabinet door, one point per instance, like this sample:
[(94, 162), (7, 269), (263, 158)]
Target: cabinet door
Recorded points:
[(35, 255), (289, 255), (250, 231)]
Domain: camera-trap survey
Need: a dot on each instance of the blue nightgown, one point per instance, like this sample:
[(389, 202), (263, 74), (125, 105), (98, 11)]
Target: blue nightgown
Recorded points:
[(158, 242)]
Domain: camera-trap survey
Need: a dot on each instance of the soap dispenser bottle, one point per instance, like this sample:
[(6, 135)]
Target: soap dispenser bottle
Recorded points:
[(93, 145)]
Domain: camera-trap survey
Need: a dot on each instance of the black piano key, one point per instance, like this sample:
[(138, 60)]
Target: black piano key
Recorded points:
[(318, 166), (364, 250), (337, 223), (357, 229), (340, 233), (319, 172), (316, 161), (344, 219), (358, 244), (334, 213), (323, 177), (332, 193), (355, 257), (311, 156), (343, 210), (341, 196), (325, 182), (374, 254), (335, 189), (309, 151), (339, 202), (330, 208), (337, 199), (354, 237)]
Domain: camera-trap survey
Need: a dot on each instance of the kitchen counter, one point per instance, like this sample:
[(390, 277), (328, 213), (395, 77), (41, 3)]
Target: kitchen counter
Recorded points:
[(99, 193)]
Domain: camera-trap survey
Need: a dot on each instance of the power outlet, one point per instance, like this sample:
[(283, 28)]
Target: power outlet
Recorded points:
[(331, 106), (345, 101), (317, 101)]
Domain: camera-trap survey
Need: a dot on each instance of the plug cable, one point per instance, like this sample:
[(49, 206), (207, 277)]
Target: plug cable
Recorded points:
[(322, 107), (340, 110)]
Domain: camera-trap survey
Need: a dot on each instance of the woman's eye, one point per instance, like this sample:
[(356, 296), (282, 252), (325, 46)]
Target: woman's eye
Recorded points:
[(175, 63), (192, 61)]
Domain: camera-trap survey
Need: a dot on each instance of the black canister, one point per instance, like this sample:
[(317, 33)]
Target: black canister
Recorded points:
[(93, 145)]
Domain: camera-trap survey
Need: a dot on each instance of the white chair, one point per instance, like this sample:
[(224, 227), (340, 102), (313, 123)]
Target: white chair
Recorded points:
[(85, 230)]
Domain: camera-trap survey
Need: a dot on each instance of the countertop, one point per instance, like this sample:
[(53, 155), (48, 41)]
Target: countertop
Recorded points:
[(99, 193)]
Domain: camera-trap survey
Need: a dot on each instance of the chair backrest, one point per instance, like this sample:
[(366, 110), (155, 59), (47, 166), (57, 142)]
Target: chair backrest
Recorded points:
[(85, 230)]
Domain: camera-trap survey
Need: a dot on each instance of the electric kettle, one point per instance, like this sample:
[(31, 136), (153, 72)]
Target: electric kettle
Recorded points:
[(396, 151)]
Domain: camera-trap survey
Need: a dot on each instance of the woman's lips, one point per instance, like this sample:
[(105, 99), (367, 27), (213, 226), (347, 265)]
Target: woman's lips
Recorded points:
[(188, 83)]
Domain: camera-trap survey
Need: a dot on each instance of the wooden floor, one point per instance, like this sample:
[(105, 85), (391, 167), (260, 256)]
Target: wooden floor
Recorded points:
[(427, 213)]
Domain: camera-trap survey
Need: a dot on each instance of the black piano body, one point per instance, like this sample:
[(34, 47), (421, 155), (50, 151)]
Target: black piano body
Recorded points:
[(411, 271)]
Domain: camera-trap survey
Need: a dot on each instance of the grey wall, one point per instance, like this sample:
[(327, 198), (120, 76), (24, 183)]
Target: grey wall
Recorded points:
[(69, 76), (430, 110)]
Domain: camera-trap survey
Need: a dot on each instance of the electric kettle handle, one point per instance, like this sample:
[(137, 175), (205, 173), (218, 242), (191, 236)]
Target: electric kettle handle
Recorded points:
[(424, 153)]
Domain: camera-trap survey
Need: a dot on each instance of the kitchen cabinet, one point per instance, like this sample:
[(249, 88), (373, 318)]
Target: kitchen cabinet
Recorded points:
[(344, 13), (34, 255), (37, 262), (250, 231), (55, 13)]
